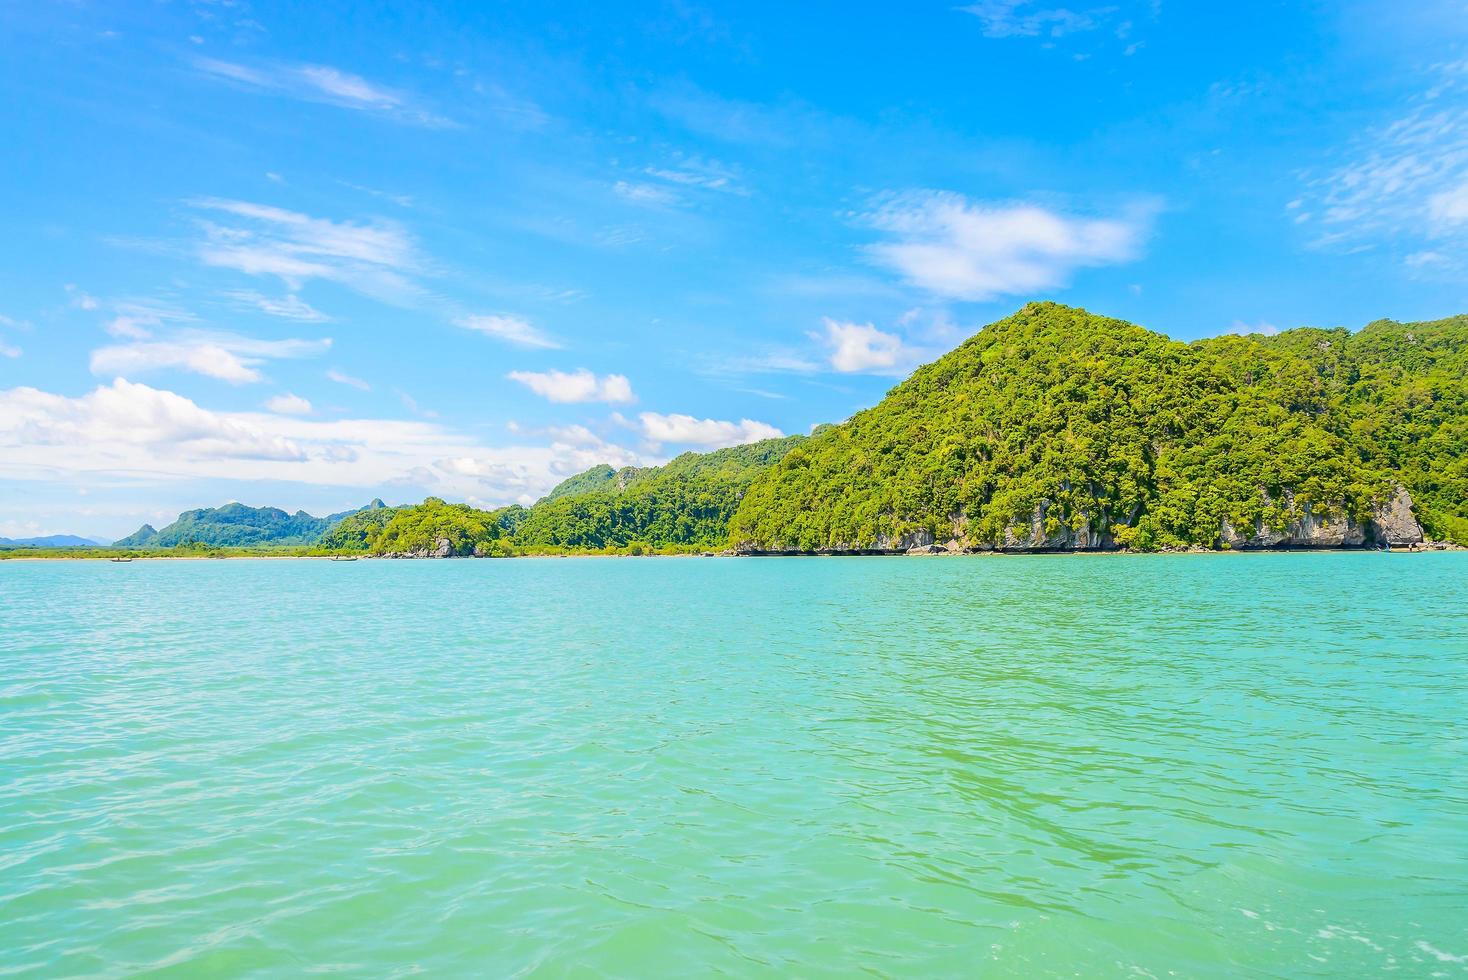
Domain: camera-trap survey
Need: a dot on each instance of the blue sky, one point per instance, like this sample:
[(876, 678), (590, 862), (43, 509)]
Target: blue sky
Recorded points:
[(308, 254)]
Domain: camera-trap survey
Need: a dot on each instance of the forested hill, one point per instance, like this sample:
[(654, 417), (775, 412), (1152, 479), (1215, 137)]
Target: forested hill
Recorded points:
[(235, 525), (687, 502), (1053, 429), (683, 505), (1056, 428)]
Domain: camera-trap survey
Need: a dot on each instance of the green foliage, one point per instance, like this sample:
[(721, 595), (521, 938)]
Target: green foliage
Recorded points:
[(1102, 424), (600, 477), (419, 529), (688, 502)]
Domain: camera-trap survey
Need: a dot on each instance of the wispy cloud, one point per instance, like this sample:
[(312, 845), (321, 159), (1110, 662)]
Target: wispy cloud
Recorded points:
[(322, 83), (640, 193), (686, 430), (289, 307), (513, 329), (346, 379), (576, 386), (698, 172), (1024, 18), (6, 349), (973, 250), (227, 357), (374, 258), (1406, 182)]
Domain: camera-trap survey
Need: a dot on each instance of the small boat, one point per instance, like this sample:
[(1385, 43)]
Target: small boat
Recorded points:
[(119, 559), (343, 558)]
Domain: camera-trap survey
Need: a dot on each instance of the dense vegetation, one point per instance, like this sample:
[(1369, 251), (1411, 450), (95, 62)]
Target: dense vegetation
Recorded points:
[(1110, 429), (419, 529), (1052, 423), (236, 525), (687, 502)]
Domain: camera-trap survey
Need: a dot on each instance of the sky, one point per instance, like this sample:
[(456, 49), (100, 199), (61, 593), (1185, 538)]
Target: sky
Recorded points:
[(304, 255)]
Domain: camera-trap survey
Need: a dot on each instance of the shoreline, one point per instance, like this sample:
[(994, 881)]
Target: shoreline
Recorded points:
[(1427, 548)]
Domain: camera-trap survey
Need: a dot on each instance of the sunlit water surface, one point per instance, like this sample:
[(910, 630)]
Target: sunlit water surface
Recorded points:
[(1104, 766)]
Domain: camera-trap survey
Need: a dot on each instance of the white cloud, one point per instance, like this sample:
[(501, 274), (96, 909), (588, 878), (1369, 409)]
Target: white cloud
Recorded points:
[(346, 379), (639, 193), (1406, 182), (288, 404), (372, 258), (708, 433), (1449, 207), (217, 355), (10, 350), (693, 171), (322, 83), (137, 319), (514, 329), (975, 251), (289, 307), (130, 430), (80, 298), (576, 386), (1021, 18), (862, 347)]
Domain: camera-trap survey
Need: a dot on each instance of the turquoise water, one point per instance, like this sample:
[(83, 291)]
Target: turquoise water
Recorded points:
[(1230, 765)]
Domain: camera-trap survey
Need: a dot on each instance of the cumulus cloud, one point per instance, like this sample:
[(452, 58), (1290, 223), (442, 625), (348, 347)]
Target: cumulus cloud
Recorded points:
[(216, 355), (129, 415), (707, 433), (132, 430), (576, 386), (859, 347), (512, 329), (322, 83), (966, 250), (288, 404)]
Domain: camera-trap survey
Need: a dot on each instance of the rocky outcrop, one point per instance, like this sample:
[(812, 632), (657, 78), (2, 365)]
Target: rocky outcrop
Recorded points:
[(442, 548), (1393, 523), (1312, 526)]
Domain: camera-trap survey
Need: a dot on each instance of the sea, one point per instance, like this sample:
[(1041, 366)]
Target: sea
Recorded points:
[(1225, 765)]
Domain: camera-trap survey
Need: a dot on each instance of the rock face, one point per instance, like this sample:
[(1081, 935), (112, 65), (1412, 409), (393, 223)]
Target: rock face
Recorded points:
[(1333, 529), (442, 548), (1393, 522)]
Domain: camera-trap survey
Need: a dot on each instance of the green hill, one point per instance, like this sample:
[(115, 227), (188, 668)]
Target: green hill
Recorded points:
[(235, 525), (687, 502), (1058, 429)]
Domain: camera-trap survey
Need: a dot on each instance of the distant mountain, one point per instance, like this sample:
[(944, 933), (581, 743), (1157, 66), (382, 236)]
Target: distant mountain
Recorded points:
[(51, 541), (235, 525)]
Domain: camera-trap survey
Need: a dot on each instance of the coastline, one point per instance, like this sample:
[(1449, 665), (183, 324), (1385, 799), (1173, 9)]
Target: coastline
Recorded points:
[(1431, 547)]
